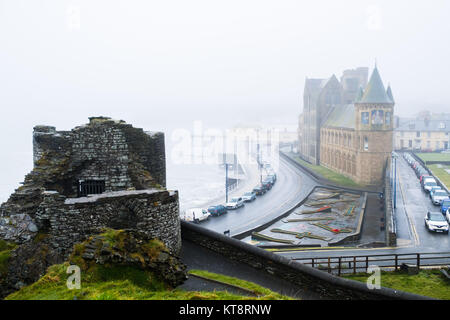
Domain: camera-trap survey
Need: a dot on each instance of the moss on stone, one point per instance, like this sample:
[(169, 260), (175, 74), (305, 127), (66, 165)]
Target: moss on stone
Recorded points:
[(5, 253)]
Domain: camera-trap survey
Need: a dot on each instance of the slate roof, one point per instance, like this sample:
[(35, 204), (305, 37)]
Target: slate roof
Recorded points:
[(375, 91), (422, 125), (342, 116)]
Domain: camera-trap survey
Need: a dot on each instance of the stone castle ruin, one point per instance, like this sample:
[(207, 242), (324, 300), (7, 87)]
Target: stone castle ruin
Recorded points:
[(105, 174)]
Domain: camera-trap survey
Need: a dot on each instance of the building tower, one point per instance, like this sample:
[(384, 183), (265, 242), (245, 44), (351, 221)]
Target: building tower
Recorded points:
[(374, 109)]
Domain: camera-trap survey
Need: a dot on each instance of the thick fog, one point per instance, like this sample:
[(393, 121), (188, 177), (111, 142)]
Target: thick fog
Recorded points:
[(161, 65)]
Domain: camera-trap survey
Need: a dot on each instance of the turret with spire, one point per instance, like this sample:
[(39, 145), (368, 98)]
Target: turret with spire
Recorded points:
[(374, 113)]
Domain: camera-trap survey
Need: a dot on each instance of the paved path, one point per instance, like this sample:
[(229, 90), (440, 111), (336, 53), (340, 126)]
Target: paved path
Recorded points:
[(196, 257)]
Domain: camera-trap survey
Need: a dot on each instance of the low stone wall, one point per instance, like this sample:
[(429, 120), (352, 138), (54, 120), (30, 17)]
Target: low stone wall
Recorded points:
[(327, 285), (153, 213)]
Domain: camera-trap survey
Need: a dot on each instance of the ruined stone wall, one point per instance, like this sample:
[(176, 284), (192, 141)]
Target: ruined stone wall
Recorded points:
[(104, 149), (152, 213)]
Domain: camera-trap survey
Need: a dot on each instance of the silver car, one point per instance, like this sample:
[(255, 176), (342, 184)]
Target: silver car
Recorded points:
[(439, 196)]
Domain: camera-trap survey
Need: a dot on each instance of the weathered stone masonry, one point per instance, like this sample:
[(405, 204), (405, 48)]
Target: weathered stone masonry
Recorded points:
[(122, 158), (113, 151), (152, 213)]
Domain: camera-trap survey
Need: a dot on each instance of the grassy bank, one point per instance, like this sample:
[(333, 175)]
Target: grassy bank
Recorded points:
[(434, 156), (127, 283), (439, 171), (329, 174), (429, 283)]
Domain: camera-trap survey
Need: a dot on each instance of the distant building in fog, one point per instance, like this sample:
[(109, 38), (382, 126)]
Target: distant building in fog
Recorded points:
[(426, 132), (346, 128)]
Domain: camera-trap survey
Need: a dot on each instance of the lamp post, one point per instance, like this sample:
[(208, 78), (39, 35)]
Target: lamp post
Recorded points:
[(394, 182)]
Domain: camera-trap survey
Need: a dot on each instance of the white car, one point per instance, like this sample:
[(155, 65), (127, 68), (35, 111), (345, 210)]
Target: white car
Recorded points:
[(438, 196), (249, 196), (435, 221), (235, 203), (429, 184), (196, 215)]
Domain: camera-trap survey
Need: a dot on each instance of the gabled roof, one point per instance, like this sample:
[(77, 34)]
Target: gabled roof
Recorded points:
[(342, 116), (375, 91)]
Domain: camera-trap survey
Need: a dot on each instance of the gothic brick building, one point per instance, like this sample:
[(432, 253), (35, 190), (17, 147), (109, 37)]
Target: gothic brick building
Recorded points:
[(350, 134)]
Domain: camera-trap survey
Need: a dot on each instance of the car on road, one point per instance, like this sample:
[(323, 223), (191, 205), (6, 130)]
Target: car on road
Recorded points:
[(424, 176), (426, 179), (433, 190), (447, 215), (259, 190), (445, 205), (428, 185), (249, 196), (272, 178), (267, 184), (196, 215), (439, 196), (235, 203), (435, 221), (218, 210)]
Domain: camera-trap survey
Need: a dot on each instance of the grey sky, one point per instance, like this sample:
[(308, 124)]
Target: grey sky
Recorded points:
[(163, 64)]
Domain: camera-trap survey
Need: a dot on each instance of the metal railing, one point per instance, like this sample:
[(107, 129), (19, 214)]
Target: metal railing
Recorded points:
[(355, 264)]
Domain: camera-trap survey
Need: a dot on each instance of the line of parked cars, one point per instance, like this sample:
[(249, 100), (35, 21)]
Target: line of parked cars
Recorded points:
[(198, 214), (434, 221)]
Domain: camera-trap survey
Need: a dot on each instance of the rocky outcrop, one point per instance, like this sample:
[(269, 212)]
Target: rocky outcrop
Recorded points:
[(128, 248), (17, 228)]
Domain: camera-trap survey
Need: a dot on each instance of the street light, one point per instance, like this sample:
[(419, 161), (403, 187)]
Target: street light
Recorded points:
[(394, 184)]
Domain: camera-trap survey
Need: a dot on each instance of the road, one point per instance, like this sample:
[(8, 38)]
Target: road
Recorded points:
[(290, 188), (293, 185), (412, 235)]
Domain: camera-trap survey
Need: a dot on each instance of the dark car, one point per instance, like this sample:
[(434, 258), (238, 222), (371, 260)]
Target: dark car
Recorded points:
[(217, 210), (259, 190), (267, 184)]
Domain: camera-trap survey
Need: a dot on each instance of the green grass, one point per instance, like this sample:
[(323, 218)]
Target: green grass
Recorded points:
[(434, 156), (429, 283), (261, 292), (441, 173), (127, 283), (329, 174), (5, 253), (119, 282)]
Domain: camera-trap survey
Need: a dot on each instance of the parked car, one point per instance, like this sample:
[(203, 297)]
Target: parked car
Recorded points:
[(217, 210), (272, 178), (447, 215), (424, 176), (445, 205), (249, 196), (259, 190), (266, 184), (428, 185), (436, 222), (425, 180), (433, 189), (196, 215), (235, 203), (439, 196)]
